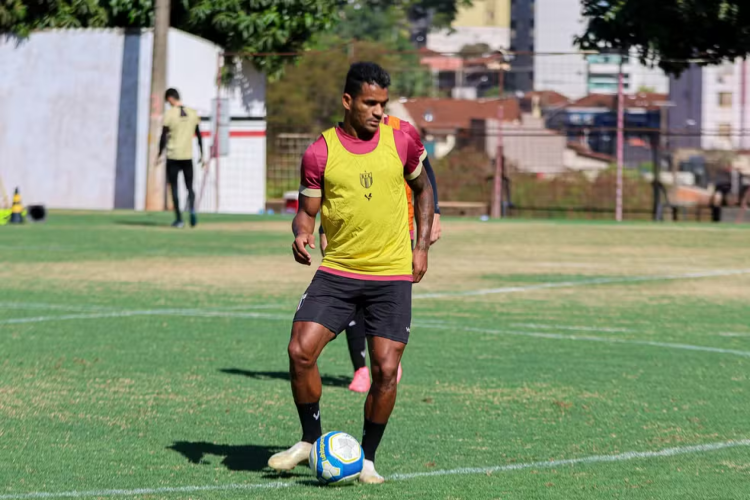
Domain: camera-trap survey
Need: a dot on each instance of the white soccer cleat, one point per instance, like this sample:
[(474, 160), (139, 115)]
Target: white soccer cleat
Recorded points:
[(369, 475), (291, 458)]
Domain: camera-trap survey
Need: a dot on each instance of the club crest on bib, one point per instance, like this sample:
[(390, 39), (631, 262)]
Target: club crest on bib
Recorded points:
[(365, 178)]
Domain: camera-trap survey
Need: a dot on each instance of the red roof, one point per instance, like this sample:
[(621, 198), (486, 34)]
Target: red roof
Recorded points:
[(452, 114), (645, 100), (547, 98)]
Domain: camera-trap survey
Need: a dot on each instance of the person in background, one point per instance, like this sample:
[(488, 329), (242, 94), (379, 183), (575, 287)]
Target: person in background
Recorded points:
[(181, 124)]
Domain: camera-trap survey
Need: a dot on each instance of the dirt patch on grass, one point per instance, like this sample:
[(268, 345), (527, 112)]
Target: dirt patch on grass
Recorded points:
[(259, 273), (250, 227)]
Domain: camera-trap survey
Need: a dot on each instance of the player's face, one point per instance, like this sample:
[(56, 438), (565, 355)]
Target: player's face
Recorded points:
[(367, 109)]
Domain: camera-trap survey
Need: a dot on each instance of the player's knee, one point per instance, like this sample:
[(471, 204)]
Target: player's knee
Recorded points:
[(299, 357), (385, 375)]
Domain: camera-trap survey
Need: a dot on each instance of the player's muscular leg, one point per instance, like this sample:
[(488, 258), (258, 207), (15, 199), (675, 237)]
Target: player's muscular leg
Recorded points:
[(385, 355), (307, 342)]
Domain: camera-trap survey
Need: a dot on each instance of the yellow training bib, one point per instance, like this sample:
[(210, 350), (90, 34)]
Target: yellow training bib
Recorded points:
[(364, 210)]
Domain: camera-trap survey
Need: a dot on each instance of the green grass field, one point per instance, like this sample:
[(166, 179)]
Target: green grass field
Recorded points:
[(547, 360)]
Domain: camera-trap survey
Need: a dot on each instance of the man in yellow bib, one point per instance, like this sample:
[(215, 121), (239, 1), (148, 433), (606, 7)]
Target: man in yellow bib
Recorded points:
[(181, 124), (354, 176)]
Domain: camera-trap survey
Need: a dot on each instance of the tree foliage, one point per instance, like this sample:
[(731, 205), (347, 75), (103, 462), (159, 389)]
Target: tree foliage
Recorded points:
[(669, 32), (307, 97), (240, 26), (249, 26)]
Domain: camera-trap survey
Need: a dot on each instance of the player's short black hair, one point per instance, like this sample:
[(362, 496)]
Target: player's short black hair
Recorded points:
[(365, 72), (172, 93)]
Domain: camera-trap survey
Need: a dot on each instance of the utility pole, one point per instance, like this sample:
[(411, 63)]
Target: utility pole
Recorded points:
[(156, 177), (620, 142), (496, 207)]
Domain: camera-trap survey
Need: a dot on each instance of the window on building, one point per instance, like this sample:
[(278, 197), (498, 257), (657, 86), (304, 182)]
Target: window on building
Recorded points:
[(725, 130), (725, 99), (513, 24), (725, 73)]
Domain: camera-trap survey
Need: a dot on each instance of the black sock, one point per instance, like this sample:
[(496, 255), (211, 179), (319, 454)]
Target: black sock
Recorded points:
[(371, 436), (309, 417), (357, 342)]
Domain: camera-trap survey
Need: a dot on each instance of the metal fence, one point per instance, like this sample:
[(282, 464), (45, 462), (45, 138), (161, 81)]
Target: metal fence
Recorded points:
[(583, 135)]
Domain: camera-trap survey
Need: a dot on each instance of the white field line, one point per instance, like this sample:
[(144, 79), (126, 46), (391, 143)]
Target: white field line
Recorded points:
[(571, 328), (30, 306), (620, 457), (88, 307), (593, 281), (200, 313), (667, 345), (146, 491)]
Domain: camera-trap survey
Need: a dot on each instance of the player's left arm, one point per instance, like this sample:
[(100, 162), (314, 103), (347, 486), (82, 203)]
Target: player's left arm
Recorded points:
[(436, 230), (200, 141), (412, 132), (424, 210), (424, 205)]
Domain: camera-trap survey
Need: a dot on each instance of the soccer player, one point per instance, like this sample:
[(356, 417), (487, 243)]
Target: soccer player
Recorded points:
[(180, 125), (354, 175), (355, 332)]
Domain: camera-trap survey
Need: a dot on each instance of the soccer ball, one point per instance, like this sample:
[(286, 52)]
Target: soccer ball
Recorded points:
[(336, 458)]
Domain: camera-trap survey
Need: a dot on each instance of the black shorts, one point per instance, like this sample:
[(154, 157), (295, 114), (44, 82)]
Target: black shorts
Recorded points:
[(332, 301)]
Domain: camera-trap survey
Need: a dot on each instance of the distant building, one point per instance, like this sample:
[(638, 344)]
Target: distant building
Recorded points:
[(710, 107), (484, 22), (558, 67)]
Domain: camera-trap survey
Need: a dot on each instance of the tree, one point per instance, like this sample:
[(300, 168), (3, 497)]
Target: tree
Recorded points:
[(669, 32), (307, 97), (239, 26), (249, 26)]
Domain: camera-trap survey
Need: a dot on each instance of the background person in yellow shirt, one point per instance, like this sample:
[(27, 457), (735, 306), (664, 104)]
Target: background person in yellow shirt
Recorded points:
[(180, 125)]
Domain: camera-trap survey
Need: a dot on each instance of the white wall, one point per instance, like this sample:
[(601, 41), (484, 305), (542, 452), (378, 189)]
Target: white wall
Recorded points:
[(59, 104), (74, 118)]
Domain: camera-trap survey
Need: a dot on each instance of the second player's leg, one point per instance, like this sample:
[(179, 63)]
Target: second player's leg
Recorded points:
[(356, 340)]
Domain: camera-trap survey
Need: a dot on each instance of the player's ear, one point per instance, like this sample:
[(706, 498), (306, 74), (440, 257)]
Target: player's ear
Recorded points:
[(347, 101)]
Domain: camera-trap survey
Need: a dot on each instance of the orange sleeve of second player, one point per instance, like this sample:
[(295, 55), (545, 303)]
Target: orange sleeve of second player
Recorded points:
[(395, 123)]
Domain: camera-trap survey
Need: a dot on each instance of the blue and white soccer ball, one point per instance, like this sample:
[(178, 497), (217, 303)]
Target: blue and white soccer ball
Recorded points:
[(336, 458)]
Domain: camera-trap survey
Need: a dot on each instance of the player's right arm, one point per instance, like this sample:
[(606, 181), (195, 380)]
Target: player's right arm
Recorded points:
[(310, 200), (303, 228), (165, 132), (163, 140)]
